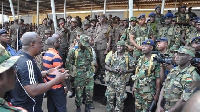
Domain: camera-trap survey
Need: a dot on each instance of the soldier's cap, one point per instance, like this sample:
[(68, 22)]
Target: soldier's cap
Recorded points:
[(133, 19), (196, 40), (168, 15), (194, 18), (93, 19), (47, 31), (173, 48), (6, 61), (184, 6), (152, 14), (148, 42), (110, 15), (197, 21), (141, 16), (69, 16), (3, 31), (158, 6), (121, 42), (162, 39), (86, 23), (186, 50), (84, 40), (73, 20)]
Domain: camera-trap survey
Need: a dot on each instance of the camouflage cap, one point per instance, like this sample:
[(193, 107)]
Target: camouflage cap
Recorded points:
[(162, 39), (73, 20), (133, 19), (6, 61), (84, 40), (121, 42), (86, 23), (47, 31), (187, 50)]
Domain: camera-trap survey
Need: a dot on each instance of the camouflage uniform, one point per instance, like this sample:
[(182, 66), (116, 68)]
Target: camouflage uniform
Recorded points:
[(141, 34), (173, 35), (4, 107), (117, 82), (13, 34), (41, 31), (81, 66), (73, 34)]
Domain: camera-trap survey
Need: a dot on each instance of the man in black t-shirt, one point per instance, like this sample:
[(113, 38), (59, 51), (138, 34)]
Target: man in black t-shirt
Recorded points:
[(29, 87)]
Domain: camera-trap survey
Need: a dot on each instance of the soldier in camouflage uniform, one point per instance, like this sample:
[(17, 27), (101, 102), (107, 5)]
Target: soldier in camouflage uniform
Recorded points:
[(7, 74), (13, 33), (118, 31), (177, 88), (190, 13), (170, 32), (91, 31), (159, 18), (80, 60), (118, 66), (102, 44), (86, 26), (195, 33), (141, 33), (146, 79), (183, 17), (153, 24)]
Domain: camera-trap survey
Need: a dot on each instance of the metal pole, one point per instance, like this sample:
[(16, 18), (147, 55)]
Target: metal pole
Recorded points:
[(163, 6), (18, 9), (38, 9), (54, 14), (104, 11), (130, 9), (2, 15), (12, 9), (91, 9), (65, 9), (175, 5)]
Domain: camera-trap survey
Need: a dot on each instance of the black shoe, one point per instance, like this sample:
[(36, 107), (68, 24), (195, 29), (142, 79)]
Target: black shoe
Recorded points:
[(102, 81), (87, 108), (78, 109), (72, 93), (90, 106)]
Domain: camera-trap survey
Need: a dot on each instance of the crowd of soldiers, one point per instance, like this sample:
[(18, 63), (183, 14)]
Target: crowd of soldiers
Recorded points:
[(110, 50)]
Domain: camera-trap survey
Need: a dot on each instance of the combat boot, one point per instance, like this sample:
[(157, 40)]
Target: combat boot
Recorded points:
[(72, 93), (78, 109), (87, 108)]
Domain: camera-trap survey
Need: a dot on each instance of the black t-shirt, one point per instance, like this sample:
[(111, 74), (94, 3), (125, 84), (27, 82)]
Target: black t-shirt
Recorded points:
[(28, 73)]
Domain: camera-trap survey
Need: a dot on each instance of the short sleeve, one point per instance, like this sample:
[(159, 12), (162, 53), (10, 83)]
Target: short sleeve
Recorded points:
[(27, 73)]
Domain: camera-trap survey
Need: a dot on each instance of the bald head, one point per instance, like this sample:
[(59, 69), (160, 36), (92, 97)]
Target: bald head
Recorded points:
[(28, 38), (51, 40), (192, 105)]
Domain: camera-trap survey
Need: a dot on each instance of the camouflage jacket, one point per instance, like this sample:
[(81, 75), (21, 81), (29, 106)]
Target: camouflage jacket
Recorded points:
[(4, 107), (64, 40), (41, 30), (145, 75), (81, 63), (159, 18), (177, 85), (73, 34)]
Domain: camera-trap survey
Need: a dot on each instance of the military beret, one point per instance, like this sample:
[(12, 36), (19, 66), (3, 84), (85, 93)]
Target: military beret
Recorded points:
[(183, 6), (197, 21), (152, 14), (168, 15), (121, 42), (158, 6), (162, 39), (148, 42), (187, 50), (195, 39), (3, 31), (194, 18), (84, 40), (141, 16), (133, 19)]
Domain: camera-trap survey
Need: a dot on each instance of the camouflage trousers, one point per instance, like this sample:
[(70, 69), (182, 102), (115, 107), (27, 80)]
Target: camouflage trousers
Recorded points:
[(82, 84), (141, 103), (118, 90)]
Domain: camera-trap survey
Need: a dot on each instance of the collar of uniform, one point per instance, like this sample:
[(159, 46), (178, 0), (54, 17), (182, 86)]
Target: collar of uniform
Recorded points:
[(53, 50), (185, 69), (3, 101)]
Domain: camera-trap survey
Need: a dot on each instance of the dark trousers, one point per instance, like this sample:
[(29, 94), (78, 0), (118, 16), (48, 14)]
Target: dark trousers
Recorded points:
[(56, 100)]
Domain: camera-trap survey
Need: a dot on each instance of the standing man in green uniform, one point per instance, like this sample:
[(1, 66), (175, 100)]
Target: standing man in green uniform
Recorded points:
[(141, 33), (7, 74), (119, 64), (159, 18), (183, 17), (102, 44), (13, 33), (170, 32), (80, 59), (146, 79), (177, 88), (153, 24)]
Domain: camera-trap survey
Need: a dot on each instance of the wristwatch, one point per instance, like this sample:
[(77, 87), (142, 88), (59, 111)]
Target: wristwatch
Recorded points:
[(65, 87)]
